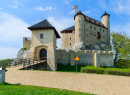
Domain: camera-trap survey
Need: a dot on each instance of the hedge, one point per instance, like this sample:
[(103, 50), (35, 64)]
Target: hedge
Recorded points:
[(105, 71)]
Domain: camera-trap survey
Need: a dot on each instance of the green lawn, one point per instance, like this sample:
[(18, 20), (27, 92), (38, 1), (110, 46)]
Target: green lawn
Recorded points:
[(9, 89), (107, 69), (91, 69), (69, 68)]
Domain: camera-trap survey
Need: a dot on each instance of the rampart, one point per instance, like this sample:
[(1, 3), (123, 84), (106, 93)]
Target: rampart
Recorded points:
[(87, 57)]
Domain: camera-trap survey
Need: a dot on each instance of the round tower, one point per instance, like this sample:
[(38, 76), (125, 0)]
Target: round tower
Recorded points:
[(105, 19), (79, 27)]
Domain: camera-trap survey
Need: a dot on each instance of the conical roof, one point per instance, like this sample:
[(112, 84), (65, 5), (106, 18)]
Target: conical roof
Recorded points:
[(105, 14), (44, 25)]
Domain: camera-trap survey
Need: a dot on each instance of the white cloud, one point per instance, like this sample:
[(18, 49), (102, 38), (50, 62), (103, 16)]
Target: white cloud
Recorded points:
[(61, 25), (16, 4), (72, 12), (43, 9), (12, 31), (120, 7), (8, 53), (86, 12), (121, 28), (67, 1)]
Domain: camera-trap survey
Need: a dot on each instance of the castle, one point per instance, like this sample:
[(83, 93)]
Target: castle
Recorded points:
[(88, 39)]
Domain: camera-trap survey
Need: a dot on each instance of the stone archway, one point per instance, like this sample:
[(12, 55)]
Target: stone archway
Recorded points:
[(43, 54)]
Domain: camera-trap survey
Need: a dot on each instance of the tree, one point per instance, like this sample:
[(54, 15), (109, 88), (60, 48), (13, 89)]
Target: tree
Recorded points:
[(121, 45)]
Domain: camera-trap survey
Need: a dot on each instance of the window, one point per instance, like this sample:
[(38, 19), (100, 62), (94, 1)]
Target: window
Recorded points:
[(100, 29), (70, 44), (103, 30), (95, 28), (79, 29), (86, 29), (98, 35), (79, 21), (41, 36), (91, 33), (79, 35), (94, 34), (91, 27), (70, 38)]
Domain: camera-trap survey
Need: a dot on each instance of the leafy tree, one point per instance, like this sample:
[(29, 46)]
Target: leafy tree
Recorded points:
[(121, 45)]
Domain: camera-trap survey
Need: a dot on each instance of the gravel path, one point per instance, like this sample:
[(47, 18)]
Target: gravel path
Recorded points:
[(89, 83)]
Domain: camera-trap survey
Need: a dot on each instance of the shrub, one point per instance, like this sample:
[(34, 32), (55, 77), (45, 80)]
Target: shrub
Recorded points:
[(123, 63), (118, 73), (98, 71), (24, 48)]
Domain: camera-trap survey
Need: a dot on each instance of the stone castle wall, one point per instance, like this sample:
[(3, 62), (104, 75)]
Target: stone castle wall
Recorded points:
[(96, 58), (26, 42), (66, 39)]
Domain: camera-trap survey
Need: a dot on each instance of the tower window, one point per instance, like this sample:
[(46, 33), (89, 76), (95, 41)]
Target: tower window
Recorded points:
[(91, 33), (79, 21), (79, 35), (100, 29), (79, 29), (95, 28), (41, 36), (70, 44), (70, 38), (91, 27)]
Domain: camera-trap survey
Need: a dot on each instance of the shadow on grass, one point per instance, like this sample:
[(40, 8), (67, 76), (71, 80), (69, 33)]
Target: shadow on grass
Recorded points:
[(5, 83), (69, 68)]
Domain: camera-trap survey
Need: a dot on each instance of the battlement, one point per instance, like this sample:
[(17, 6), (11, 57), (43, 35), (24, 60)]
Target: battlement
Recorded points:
[(86, 51)]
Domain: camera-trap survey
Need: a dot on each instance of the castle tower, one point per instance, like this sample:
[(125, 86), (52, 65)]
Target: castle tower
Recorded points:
[(105, 19), (79, 28)]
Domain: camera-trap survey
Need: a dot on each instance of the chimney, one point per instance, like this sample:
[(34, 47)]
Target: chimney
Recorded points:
[(75, 7)]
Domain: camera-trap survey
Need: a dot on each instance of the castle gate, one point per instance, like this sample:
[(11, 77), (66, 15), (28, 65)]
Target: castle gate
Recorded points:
[(43, 53)]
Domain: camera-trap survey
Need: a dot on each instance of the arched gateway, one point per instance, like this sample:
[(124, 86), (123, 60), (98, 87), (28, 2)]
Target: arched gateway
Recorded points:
[(43, 53)]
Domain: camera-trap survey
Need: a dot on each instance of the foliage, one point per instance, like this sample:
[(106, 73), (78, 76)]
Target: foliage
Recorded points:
[(121, 45), (118, 73), (4, 62), (123, 63), (11, 89), (24, 48), (101, 70)]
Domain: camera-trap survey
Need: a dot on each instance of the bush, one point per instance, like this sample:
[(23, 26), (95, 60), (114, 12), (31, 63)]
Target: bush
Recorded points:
[(98, 71), (118, 73), (123, 63), (24, 48)]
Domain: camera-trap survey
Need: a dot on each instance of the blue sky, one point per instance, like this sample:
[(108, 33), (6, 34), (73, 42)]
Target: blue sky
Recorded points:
[(17, 15)]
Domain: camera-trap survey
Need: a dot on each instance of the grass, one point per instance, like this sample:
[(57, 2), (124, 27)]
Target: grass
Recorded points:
[(107, 68), (10, 89), (69, 68)]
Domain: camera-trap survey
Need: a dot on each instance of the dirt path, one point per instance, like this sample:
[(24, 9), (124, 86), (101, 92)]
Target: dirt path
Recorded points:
[(89, 83)]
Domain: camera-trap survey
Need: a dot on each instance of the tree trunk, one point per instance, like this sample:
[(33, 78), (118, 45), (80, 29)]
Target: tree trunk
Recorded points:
[(115, 58)]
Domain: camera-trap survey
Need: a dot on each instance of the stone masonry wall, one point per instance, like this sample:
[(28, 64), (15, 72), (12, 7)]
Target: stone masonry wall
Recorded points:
[(103, 58), (63, 56), (26, 43)]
